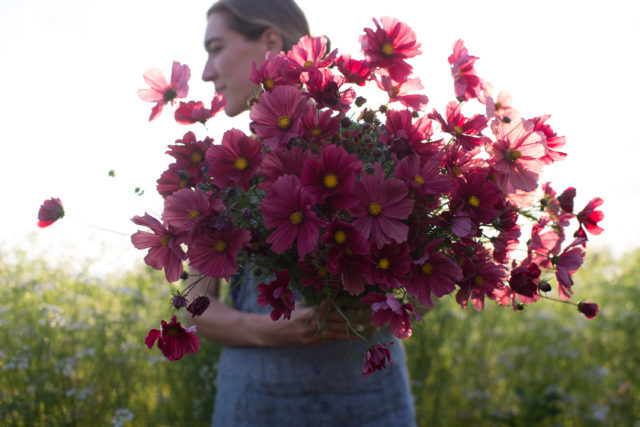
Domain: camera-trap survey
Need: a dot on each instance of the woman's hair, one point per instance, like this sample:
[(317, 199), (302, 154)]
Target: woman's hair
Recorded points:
[(252, 17)]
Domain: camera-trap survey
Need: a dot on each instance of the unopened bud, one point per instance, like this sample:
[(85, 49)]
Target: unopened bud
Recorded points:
[(178, 301), (544, 286), (360, 101), (198, 305)]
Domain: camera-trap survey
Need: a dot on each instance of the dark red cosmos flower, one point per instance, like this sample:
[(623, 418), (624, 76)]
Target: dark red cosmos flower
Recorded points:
[(566, 199), (589, 217), (214, 253), (468, 132), (324, 87), (277, 294), (347, 255), (191, 151), (277, 163), (332, 177), (50, 211), (376, 358), (524, 280), (483, 278), (174, 340), (235, 160), (198, 305), (566, 264), (388, 46), (176, 178), (164, 246), (405, 137), (387, 309), (354, 71), (478, 198), (320, 125), (433, 272), (390, 265), (276, 116), (589, 309), (423, 176)]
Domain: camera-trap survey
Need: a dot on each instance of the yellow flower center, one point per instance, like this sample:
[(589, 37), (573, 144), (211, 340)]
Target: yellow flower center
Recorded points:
[(220, 246), (512, 155), (322, 273), (426, 268), (395, 90), (308, 64), (418, 180), (284, 122), (340, 237), (316, 131), (330, 181), (456, 170), (388, 49), (241, 164), (348, 252), (478, 280), (171, 331), (375, 209), (194, 213), (383, 263), (196, 157), (269, 84), (498, 105), (296, 218), (458, 130), (165, 241), (181, 184), (474, 201)]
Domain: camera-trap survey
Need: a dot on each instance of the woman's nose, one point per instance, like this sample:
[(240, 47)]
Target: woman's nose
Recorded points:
[(209, 74)]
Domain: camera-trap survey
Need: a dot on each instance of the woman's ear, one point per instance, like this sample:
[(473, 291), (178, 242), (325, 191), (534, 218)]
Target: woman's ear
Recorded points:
[(272, 39)]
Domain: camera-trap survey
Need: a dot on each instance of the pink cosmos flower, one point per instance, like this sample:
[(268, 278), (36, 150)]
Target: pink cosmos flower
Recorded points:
[(478, 197), (589, 309), (516, 155), (589, 217), (509, 237), (389, 266), (309, 54), (277, 163), (468, 132), (273, 71), (433, 272), (213, 253), (176, 178), (164, 246), (376, 358), (354, 71), (331, 177), (405, 137), (162, 92), (347, 255), (287, 211), (277, 294), (185, 209), (423, 176), (388, 46), (387, 309), (458, 161), (382, 204), (192, 151), (553, 140), (467, 84), (194, 111), (403, 92), (235, 160), (50, 211), (276, 116), (484, 278), (319, 125), (324, 87), (566, 264), (502, 107), (173, 339)]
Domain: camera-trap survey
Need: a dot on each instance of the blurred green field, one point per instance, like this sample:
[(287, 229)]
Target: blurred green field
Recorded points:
[(72, 353)]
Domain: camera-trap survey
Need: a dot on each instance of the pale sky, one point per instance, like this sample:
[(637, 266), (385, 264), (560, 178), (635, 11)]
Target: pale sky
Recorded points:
[(69, 111)]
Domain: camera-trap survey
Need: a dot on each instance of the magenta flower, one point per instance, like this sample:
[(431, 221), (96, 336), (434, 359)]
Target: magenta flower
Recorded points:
[(387, 309), (235, 160), (164, 246), (347, 255), (382, 204), (273, 71), (162, 92), (404, 92), (195, 111), (332, 177), (276, 116), (309, 54), (466, 82), (589, 217), (287, 210), (388, 46), (566, 264), (433, 272), (376, 358), (277, 294), (468, 132), (525, 279), (354, 71), (589, 309), (50, 211), (177, 177), (553, 140), (214, 253), (477, 197), (389, 266), (404, 137), (185, 209), (516, 155), (324, 87), (174, 340), (277, 163), (483, 278), (192, 151), (424, 177), (198, 305), (319, 125)]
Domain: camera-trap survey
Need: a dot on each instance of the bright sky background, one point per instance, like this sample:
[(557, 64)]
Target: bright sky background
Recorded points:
[(69, 111)]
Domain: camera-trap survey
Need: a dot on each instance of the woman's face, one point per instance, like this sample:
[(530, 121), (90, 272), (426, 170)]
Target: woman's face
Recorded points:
[(229, 62)]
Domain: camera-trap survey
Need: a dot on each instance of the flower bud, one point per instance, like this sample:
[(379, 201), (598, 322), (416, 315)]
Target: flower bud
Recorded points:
[(345, 122), (544, 286), (589, 309), (178, 301), (198, 305), (184, 275), (360, 101)]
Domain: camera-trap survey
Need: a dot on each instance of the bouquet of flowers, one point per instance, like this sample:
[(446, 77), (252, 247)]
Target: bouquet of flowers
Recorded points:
[(338, 202)]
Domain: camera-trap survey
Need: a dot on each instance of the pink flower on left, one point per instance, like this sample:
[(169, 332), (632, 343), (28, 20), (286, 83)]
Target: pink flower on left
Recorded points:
[(50, 211), (174, 340), (162, 92)]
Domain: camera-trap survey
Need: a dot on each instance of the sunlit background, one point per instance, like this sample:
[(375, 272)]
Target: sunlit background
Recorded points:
[(69, 112)]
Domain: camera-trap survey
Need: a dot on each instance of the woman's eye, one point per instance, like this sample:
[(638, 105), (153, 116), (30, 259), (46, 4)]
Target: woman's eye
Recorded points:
[(215, 49)]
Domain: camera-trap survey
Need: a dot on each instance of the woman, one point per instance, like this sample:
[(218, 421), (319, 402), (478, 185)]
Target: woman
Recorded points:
[(286, 372)]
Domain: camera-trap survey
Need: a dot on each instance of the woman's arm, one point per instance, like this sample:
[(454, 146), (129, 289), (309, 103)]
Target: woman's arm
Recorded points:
[(230, 327)]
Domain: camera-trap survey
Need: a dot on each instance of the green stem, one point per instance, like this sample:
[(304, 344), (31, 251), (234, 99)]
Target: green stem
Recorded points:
[(348, 322)]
